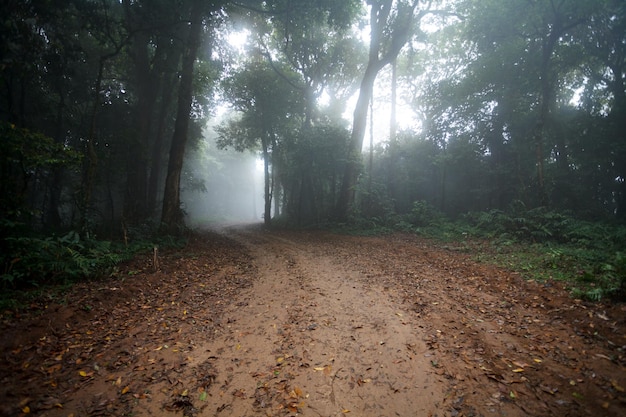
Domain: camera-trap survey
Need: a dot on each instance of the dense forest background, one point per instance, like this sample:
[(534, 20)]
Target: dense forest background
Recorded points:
[(119, 116)]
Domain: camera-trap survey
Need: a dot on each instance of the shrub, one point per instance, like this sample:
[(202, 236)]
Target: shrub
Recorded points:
[(32, 261), (424, 214)]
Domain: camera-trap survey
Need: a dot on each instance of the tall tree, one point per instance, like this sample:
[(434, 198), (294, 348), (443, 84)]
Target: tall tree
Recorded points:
[(269, 109), (172, 217), (392, 24), (315, 39)]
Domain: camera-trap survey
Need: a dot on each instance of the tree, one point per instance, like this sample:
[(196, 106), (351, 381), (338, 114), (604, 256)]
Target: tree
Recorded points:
[(269, 111), (314, 40), (154, 51), (392, 24), (313, 47), (172, 217)]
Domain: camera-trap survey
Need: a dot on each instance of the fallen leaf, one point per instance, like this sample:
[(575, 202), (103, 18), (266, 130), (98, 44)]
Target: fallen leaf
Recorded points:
[(549, 390), (125, 389), (518, 370), (54, 368), (296, 393), (617, 386), (203, 396)]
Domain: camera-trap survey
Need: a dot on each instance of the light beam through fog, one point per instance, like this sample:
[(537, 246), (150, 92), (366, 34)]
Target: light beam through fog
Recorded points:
[(221, 186)]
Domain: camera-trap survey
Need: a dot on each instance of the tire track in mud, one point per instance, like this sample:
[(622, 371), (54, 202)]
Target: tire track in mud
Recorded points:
[(316, 324), (310, 338), (392, 326), (508, 346)]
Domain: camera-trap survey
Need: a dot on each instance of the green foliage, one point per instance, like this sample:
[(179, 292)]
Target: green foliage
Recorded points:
[(51, 263), (35, 261), (549, 245), (540, 243), (23, 154), (310, 164), (424, 214), (606, 278)]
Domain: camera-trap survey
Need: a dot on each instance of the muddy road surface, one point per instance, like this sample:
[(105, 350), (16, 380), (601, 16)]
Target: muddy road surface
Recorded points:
[(250, 322)]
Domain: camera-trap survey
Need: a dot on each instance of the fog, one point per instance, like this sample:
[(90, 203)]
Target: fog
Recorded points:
[(220, 186)]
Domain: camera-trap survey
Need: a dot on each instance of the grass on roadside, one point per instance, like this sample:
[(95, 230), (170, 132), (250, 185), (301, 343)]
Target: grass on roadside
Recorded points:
[(590, 257), (37, 267)]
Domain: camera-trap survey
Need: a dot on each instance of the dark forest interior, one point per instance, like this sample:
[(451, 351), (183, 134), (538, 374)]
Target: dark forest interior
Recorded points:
[(126, 122)]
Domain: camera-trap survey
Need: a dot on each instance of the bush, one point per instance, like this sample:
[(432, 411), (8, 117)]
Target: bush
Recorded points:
[(546, 244), (424, 214), (33, 261)]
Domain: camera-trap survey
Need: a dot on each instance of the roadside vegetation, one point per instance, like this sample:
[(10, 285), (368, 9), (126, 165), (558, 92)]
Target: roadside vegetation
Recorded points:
[(495, 127), (541, 244), (38, 266)]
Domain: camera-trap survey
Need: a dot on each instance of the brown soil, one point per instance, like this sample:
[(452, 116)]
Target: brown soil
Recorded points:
[(256, 323)]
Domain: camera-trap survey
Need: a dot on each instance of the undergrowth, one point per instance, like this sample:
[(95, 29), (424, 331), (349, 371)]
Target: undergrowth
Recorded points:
[(541, 244), (35, 263)]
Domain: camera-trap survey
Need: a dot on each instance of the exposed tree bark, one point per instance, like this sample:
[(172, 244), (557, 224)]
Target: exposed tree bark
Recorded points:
[(382, 51), (548, 80), (91, 157), (393, 121), (53, 217), (136, 199), (172, 218), (267, 190), (167, 88)]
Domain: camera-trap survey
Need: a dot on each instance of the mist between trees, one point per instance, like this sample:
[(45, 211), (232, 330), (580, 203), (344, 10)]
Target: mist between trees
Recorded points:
[(118, 114)]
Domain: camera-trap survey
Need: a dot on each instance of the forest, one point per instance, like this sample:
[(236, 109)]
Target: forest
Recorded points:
[(126, 122)]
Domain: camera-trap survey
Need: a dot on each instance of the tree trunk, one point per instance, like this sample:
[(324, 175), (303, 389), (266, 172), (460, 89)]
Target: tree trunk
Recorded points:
[(545, 113), (167, 88), (55, 185), (91, 157), (351, 173), (172, 218), (267, 211), (136, 198), (398, 34), (393, 122)]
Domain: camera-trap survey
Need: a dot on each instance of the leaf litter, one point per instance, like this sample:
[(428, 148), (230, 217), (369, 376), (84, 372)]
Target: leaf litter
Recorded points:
[(282, 323)]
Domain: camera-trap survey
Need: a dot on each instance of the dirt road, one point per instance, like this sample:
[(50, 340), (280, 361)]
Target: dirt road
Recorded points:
[(260, 323)]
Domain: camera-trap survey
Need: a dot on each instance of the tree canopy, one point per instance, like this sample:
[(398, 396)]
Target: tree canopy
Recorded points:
[(517, 102)]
